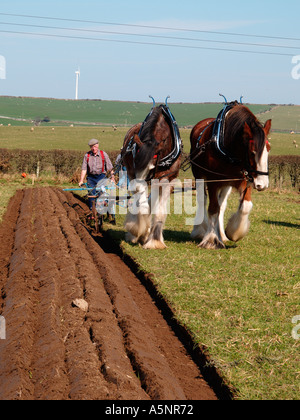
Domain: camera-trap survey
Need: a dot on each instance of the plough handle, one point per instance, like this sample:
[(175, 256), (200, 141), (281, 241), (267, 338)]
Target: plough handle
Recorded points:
[(78, 189)]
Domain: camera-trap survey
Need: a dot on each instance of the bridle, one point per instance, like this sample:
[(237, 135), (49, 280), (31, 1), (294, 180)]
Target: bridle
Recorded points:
[(255, 172)]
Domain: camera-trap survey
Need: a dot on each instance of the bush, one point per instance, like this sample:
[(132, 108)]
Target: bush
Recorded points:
[(284, 170), (66, 162), (4, 161), (30, 161)]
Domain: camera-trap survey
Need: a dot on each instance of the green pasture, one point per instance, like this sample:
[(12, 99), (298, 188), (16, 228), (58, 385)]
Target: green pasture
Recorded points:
[(22, 111), (70, 111), (111, 139), (61, 138), (285, 118), (19, 111)]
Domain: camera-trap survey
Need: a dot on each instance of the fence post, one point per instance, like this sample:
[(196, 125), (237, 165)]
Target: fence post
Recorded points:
[(38, 169)]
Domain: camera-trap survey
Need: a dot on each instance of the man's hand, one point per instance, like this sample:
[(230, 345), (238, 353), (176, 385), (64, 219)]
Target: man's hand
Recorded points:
[(112, 177), (82, 178)]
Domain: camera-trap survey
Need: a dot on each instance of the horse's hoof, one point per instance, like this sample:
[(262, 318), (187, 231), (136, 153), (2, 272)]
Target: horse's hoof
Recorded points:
[(129, 238), (212, 243), (154, 244), (199, 232)]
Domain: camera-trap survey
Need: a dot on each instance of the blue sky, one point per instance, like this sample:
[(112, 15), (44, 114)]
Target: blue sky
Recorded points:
[(45, 66)]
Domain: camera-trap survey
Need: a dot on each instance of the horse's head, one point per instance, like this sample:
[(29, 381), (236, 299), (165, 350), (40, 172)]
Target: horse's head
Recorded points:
[(145, 156), (258, 148), (153, 142)]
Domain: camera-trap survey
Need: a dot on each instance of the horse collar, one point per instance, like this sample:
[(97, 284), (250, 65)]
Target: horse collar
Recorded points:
[(166, 162), (219, 134), (169, 160)]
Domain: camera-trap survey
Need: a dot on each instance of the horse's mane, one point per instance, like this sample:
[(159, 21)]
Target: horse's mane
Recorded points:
[(149, 126), (235, 124), (146, 152)]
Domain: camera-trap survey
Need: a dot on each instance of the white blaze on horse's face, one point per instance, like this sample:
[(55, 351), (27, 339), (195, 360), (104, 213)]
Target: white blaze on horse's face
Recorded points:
[(261, 182), (143, 174)]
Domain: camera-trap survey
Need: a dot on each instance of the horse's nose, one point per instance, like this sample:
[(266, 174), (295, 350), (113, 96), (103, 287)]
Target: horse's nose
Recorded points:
[(260, 187), (261, 183)]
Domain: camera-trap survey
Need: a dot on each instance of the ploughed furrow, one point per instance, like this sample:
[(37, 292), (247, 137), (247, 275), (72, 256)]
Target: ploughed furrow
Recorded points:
[(19, 310), (81, 361), (119, 347), (100, 321), (7, 237), (163, 365), (48, 367), (157, 377)]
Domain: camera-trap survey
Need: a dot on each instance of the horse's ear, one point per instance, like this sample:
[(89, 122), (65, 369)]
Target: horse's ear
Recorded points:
[(247, 131), (268, 126)]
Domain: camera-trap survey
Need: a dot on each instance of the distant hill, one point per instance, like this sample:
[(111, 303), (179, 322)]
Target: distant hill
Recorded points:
[(59, 112), (285, 118)]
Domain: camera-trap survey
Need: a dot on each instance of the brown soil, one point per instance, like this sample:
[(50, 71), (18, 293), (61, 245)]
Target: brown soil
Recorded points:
[(122, 348)]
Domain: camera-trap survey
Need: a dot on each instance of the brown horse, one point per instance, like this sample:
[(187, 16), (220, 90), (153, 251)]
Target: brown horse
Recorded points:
[(230, 152), (152, 151)]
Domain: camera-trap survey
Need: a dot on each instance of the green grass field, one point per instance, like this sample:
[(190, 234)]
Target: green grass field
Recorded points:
[(59, 135), (76, 138), (21, 111), (65, 112), (285, 118)]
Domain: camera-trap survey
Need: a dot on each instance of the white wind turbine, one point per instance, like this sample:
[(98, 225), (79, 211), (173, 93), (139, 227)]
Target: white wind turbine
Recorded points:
[(77, 83)]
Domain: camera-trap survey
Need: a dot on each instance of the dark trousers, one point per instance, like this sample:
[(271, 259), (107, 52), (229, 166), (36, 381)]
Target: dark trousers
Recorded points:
[(92, 181)]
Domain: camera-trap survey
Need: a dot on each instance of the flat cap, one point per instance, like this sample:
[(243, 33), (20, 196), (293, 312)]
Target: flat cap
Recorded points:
[(93, 142)]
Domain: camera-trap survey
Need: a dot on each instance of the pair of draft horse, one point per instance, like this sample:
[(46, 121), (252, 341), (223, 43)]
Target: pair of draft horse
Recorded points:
[(228, 152)]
